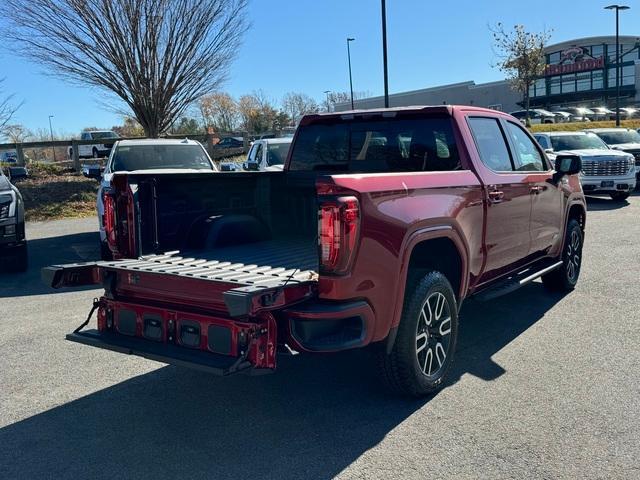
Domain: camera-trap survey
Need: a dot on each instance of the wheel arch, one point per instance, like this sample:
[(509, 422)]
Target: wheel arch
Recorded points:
[(435, 248)]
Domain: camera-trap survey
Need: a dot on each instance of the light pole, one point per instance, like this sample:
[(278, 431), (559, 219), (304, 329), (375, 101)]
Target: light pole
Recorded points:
[(384, 53), (617, 8), (349, 40), (327, 92), (53, 148)]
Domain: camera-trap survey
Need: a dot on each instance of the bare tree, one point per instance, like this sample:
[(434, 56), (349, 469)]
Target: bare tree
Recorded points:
[(16, 133), (298, 104), (258, 113), (520, 57), (157, 56), (7, 109), (220, 111), (342, 97)]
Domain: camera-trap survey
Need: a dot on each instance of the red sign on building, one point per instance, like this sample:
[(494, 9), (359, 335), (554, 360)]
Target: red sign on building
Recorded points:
[(574, 59)]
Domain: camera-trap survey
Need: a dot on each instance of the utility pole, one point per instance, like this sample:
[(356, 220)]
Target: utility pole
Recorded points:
[(349, 40), (384, 54), (617, 8), (53, 148)]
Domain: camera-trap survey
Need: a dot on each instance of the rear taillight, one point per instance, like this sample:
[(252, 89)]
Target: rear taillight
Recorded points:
[(109, 219), (339, 221)]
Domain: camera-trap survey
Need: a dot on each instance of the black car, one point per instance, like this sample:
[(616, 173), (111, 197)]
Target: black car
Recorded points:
[(13, 243), (230, 142)]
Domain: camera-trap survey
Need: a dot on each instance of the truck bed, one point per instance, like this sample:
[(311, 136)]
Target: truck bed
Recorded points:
[(268, 263)]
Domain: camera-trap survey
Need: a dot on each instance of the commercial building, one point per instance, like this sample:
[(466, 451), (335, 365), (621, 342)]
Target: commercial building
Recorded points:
[(579, 72)]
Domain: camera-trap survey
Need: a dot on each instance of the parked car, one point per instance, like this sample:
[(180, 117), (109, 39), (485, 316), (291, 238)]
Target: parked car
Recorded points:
[(603, 113), (9, 156), (579, 114), (145, 154), (624, 139), (230, 142), (536, 116), (380, 225), (562, 116), (604, 171), (104, 143), (13, 242), (268, 155)]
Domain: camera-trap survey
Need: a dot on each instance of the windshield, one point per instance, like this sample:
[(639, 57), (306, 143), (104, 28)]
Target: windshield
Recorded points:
[(277, 153), (147, 157), (621, 136), (101, 135), (577, 142)]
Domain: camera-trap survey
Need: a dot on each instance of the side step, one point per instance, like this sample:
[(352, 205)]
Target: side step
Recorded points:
[(516, 281)]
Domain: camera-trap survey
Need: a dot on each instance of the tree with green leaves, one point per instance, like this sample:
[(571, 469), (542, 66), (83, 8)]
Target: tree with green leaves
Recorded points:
[(520, 56)]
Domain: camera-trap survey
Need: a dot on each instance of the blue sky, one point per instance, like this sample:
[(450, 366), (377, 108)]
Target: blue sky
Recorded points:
[(299, 45)]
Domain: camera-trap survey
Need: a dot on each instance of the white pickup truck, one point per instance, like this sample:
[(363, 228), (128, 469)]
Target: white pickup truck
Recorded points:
[(268, 154), (104, 142), (604, 170)]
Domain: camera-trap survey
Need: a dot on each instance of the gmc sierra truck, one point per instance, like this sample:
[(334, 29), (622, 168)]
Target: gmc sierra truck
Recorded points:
[(380, 225)]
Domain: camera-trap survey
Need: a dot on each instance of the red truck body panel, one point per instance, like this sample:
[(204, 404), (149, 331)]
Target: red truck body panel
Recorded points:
[(497, 223)]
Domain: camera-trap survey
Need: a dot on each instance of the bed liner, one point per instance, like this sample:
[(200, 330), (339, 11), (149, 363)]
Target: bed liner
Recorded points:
[(269, 263)]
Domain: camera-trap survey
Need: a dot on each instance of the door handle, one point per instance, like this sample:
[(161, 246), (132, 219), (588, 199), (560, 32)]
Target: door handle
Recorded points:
[(496, 196), (536, 189)]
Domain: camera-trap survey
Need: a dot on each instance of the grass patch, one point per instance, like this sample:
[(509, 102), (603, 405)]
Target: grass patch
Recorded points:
[(577, 126), (52, 192)]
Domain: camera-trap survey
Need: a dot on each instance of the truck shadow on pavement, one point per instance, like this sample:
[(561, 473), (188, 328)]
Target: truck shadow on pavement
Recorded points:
[(604, 203), (312, 419), (78, 247)]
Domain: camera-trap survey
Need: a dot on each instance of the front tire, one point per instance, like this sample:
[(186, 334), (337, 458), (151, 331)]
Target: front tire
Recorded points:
[(619, 196), (565, 278), (425, 344)]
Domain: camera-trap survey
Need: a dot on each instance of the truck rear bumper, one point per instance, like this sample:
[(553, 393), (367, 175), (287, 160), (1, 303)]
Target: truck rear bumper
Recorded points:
[(330, 326), (221, 365)]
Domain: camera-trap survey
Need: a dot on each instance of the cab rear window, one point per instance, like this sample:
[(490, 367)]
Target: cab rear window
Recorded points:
[(380, 145)]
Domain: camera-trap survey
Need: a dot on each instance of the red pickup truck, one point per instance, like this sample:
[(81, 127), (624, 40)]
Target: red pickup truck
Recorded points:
[(380, 225)]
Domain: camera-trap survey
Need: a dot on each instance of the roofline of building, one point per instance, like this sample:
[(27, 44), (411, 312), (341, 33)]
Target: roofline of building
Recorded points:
[(469, 83), (591, 41)]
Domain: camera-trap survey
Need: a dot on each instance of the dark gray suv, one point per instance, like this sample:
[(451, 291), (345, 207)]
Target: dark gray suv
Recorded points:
[(13, 243)]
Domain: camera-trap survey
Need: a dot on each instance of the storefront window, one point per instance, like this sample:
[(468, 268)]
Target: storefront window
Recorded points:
[(597, 80), (597, 51), (631, 56), (554, 58), (554, 85), (569, 83), (541, 87), (583, 81), (628, 73)]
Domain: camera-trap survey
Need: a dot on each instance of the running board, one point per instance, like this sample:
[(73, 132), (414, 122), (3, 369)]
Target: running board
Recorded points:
[(514, 282)]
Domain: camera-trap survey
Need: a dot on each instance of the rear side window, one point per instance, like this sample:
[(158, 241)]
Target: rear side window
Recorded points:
[(382, 145), (491, 143)]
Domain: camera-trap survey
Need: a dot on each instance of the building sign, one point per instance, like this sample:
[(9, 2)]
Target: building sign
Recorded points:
[(574, 59)]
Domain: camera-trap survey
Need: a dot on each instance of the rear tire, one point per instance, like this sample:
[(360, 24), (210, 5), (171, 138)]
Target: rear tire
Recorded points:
[(565, 278), (619, 196), (425, 344)]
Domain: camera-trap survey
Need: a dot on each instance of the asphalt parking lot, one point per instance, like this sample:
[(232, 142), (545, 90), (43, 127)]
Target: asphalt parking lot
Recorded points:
[(544, 386)]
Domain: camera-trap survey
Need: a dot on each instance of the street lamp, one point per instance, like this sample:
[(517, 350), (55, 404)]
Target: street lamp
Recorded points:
[(384, 53), (617, 8), (349, 40), (327, 92), (53, 148)]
